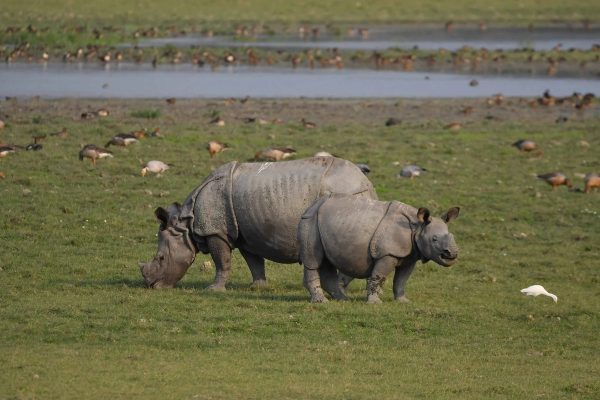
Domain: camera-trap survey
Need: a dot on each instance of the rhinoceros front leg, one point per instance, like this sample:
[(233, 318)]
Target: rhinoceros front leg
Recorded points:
[(257, 268), (381, 270), (221, 255), (403, 272)]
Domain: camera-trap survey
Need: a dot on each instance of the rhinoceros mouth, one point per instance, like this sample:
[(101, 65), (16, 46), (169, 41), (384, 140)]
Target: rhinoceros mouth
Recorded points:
[(449, 257)]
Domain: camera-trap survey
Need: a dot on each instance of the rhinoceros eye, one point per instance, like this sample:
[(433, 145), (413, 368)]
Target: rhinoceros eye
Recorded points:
[(434, 238)]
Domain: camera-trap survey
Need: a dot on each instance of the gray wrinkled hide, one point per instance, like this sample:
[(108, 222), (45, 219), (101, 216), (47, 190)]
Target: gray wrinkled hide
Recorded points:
[(263, 202), (255, 207), (366, 238)]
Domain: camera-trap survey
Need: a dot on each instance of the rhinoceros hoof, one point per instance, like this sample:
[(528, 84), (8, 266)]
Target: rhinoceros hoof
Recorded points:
[(259, 284), (403, 299), (319, 299), (373, 299), (216, 288), (340, 296)]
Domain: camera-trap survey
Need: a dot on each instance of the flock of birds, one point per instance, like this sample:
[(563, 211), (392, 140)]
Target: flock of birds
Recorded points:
[(214, 147), (556, 179)]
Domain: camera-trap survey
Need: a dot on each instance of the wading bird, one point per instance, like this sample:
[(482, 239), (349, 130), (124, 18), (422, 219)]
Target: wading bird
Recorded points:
[(536, 290)]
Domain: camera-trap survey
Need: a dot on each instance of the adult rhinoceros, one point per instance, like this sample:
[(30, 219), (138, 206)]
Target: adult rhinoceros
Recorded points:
[(255, 207)]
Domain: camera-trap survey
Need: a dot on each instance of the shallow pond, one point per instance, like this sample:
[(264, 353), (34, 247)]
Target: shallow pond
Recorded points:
[(132, 81)]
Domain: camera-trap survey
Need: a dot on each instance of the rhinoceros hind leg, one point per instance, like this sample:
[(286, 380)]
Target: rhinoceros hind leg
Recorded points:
[(257, 269), (312, 282), (402, 299), (221, 255), (330, 281), (344, 281)]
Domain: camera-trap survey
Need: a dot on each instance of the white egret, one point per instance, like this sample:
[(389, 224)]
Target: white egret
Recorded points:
[(536, 290)]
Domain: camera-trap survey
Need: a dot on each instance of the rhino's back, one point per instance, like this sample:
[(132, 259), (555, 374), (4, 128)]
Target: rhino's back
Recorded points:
[(269, 199), (346, 226)]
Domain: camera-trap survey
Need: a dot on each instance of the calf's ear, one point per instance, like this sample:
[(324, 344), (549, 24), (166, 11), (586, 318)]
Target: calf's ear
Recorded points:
[(451, 214), (423, 215), (163, 216)]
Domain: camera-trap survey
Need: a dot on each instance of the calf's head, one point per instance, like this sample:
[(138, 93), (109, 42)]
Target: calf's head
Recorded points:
[(175, 253), (433, 239)]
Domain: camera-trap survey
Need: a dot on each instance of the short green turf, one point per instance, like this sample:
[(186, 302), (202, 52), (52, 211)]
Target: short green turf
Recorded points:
[(78, 323)]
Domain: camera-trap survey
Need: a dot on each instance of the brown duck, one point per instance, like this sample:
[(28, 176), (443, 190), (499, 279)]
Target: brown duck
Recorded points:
[(592, 181), (214, 147), (556, 179), (525, 145), (122, 139), (93, 152), (275, 154), (6, 150)]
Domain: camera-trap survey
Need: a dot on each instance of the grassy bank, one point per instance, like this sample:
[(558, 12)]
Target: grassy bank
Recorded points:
[(332, 11), (77, 322)]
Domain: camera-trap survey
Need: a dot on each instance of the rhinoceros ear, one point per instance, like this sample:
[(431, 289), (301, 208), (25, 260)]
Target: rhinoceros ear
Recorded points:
[(451, 214), (163, 216), (423, 215)]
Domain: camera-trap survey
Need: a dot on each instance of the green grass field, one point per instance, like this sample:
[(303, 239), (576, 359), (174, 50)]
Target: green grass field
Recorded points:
[(77, 322), (329, 11)]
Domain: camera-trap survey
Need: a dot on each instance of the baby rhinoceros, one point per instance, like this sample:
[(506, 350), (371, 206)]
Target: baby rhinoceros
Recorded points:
[(366, 238)]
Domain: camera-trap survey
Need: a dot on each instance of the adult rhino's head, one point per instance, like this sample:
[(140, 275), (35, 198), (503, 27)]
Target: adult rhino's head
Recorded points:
[(175, 253), (433, 239)]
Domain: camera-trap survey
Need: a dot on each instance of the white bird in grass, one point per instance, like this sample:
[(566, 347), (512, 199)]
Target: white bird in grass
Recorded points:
[(536, 290), (155, 166)]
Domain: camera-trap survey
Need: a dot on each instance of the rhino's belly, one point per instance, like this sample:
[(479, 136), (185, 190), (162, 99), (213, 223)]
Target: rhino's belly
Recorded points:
[(346, 227), (268, 206)]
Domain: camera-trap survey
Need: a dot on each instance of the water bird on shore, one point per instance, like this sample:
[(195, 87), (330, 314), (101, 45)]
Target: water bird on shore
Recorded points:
[(555, 179), (536, 290), (218, 121), (122, 139), (364, 168), (88, 115), (38, 138), (275, 154), (33, 146), (94, 152), (410, 171), (6, 150), (214, 147), (323, 154), (592, 181), (156, 167), (454, 126), (63, 133), (393, 121), (307, 124), (103, 112), (525, 145)]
